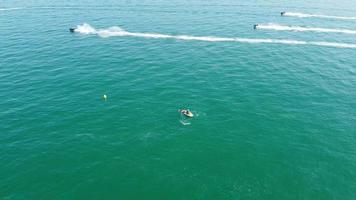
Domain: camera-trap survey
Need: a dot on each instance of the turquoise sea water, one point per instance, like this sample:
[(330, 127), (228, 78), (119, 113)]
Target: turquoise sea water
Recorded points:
[(275, 119)]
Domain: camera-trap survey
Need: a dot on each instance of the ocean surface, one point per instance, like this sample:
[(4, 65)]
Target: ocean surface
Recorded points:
[(275, 106)]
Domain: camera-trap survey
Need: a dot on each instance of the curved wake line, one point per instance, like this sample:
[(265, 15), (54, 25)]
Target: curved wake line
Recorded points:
[(6, 9), (279, 27), (119, 32), (305, 15)]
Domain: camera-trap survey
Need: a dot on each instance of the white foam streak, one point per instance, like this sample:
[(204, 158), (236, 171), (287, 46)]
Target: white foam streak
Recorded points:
[(279, 27), (119, 32), (305, 15), (334, 44), (6, 9), (85, 29)]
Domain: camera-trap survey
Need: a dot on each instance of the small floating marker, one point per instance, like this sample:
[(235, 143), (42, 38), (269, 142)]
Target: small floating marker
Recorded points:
[(105, 97)]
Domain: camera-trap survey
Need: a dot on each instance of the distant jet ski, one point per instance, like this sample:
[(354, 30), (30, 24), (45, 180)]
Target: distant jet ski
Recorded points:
[(282, 13), (72, 30), (187, 113), (255, 26)]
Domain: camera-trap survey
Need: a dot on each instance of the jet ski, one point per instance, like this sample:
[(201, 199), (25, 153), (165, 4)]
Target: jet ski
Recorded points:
[(255, 26), (72, 30), (187, 113), (282, 13)]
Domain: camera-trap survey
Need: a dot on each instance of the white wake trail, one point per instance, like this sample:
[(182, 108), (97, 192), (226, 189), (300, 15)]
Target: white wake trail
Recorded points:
[(7, 9), (305, 15), (119, 32), (279, 27)]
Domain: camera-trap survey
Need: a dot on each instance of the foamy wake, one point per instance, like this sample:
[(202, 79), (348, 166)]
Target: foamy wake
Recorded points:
[(6, 9), (305, 15), (279, 27), (119, 32)]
